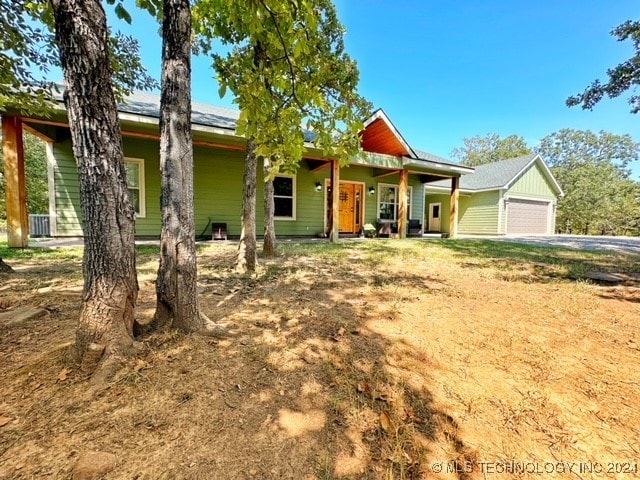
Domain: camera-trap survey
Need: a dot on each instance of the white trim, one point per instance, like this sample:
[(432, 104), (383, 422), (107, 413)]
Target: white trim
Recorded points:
[(397, 187), (294, 198), (424, 205), (141, 188), (51, 180), (431, 205), (529, 199), (500, 210), (546, 170), (380, 115)]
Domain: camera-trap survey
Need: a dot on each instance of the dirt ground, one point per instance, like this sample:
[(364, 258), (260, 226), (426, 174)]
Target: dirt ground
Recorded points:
[(364, 360)]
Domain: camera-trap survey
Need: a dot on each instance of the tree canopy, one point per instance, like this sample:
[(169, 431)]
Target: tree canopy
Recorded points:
[(28, 52), (621, 78), (287, 68), (480, 150), (600, 197)]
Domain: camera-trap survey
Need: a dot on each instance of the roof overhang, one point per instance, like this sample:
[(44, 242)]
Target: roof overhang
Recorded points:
[(436, 168)]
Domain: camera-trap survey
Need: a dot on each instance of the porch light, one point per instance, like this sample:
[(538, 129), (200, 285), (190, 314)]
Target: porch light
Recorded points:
[(318, 187), (372, 190)]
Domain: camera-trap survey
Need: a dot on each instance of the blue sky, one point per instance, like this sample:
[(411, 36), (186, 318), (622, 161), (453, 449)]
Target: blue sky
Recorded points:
[(445, 70)]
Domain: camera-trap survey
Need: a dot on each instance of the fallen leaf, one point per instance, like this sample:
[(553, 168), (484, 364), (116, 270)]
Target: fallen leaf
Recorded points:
[(385, 421), (140, 365), (4, 421), (342, 331), (364, 388), (64, 373)]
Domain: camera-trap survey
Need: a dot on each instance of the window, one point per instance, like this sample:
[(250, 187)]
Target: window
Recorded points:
[(284, 198), (135, 183), (388, 202)]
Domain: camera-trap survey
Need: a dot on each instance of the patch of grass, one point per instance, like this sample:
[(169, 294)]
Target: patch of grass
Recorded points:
[(7, 253)]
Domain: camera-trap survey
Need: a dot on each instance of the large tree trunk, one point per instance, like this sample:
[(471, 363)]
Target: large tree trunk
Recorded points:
[(176, 286), (247, 250), (269, 248), (105, 330)]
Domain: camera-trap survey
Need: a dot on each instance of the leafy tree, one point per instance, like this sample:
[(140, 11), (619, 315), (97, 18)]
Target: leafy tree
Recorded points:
[(36, 177), (490, 148), (592, 170), (621, 78), (287, 68)]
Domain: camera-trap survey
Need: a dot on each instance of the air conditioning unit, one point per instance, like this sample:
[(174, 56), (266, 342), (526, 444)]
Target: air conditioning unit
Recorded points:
[(39, 225)]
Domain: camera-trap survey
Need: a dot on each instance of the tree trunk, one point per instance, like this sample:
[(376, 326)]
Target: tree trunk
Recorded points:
[(247, 256), (176, 286), (269, 248), (4, 268), (105, 330)]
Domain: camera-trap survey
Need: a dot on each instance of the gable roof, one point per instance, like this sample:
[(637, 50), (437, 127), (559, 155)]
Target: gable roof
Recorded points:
[(501, 175), (381, 136)]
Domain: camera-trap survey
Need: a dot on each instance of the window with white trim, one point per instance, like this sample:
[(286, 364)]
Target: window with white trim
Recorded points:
[(135, 184), (388, 203), (284, 197)]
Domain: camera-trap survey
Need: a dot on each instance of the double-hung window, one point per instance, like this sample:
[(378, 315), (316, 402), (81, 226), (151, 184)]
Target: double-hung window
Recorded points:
[(284, 197), (388, 202), (135, 184)]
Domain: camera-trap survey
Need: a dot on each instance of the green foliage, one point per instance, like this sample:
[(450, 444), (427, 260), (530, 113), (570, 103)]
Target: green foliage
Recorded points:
[(592, 170), (490, 148), (28, 53), (35, 159), (621, 78), (287, 69)]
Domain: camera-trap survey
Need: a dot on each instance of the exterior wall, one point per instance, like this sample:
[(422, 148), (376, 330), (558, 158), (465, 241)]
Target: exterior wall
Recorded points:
[(218, 175), (533, 184), (445, 210), (478, 214)]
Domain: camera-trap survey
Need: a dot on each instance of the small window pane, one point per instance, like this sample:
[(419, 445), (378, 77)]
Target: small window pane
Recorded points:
[(283, 186), (388, 194), (133, 174), (283, 207)]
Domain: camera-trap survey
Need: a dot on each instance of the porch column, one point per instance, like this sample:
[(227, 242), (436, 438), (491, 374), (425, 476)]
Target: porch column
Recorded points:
[(402, 204), (453, 213), (335, 201), (15, 186)]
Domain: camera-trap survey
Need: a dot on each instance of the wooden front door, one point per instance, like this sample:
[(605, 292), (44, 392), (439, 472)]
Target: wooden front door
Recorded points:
[(350, 205)]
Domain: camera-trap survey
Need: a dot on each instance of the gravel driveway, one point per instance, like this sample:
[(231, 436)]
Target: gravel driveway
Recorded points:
[(580, 242)]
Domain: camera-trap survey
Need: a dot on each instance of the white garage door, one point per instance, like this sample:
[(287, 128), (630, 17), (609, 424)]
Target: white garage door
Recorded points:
[(527, 216)]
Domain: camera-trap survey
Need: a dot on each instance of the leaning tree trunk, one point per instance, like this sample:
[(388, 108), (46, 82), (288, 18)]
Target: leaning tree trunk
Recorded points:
[(105, 330), (269, 248), (176, 286), (247, 255)]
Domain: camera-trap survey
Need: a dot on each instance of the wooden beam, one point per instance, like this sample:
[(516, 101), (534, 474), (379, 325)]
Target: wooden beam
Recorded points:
[(390, 172), (326, 164), (402, 204), (335, 201), (453, 213), (15, 185), (37, 133)]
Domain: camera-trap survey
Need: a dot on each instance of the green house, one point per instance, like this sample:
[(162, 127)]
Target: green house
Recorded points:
[(386, 188), (515, 196)]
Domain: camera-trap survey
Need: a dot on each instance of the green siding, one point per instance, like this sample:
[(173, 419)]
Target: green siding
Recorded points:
[(533, 183), (445, 210), (478, 214), (218, 177)]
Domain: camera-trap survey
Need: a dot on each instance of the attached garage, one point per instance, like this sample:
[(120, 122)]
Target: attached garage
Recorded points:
[(517, 196), (527, 217)]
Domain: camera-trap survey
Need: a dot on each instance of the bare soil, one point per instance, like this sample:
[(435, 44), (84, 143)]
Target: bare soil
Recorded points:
[(363, 360)]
